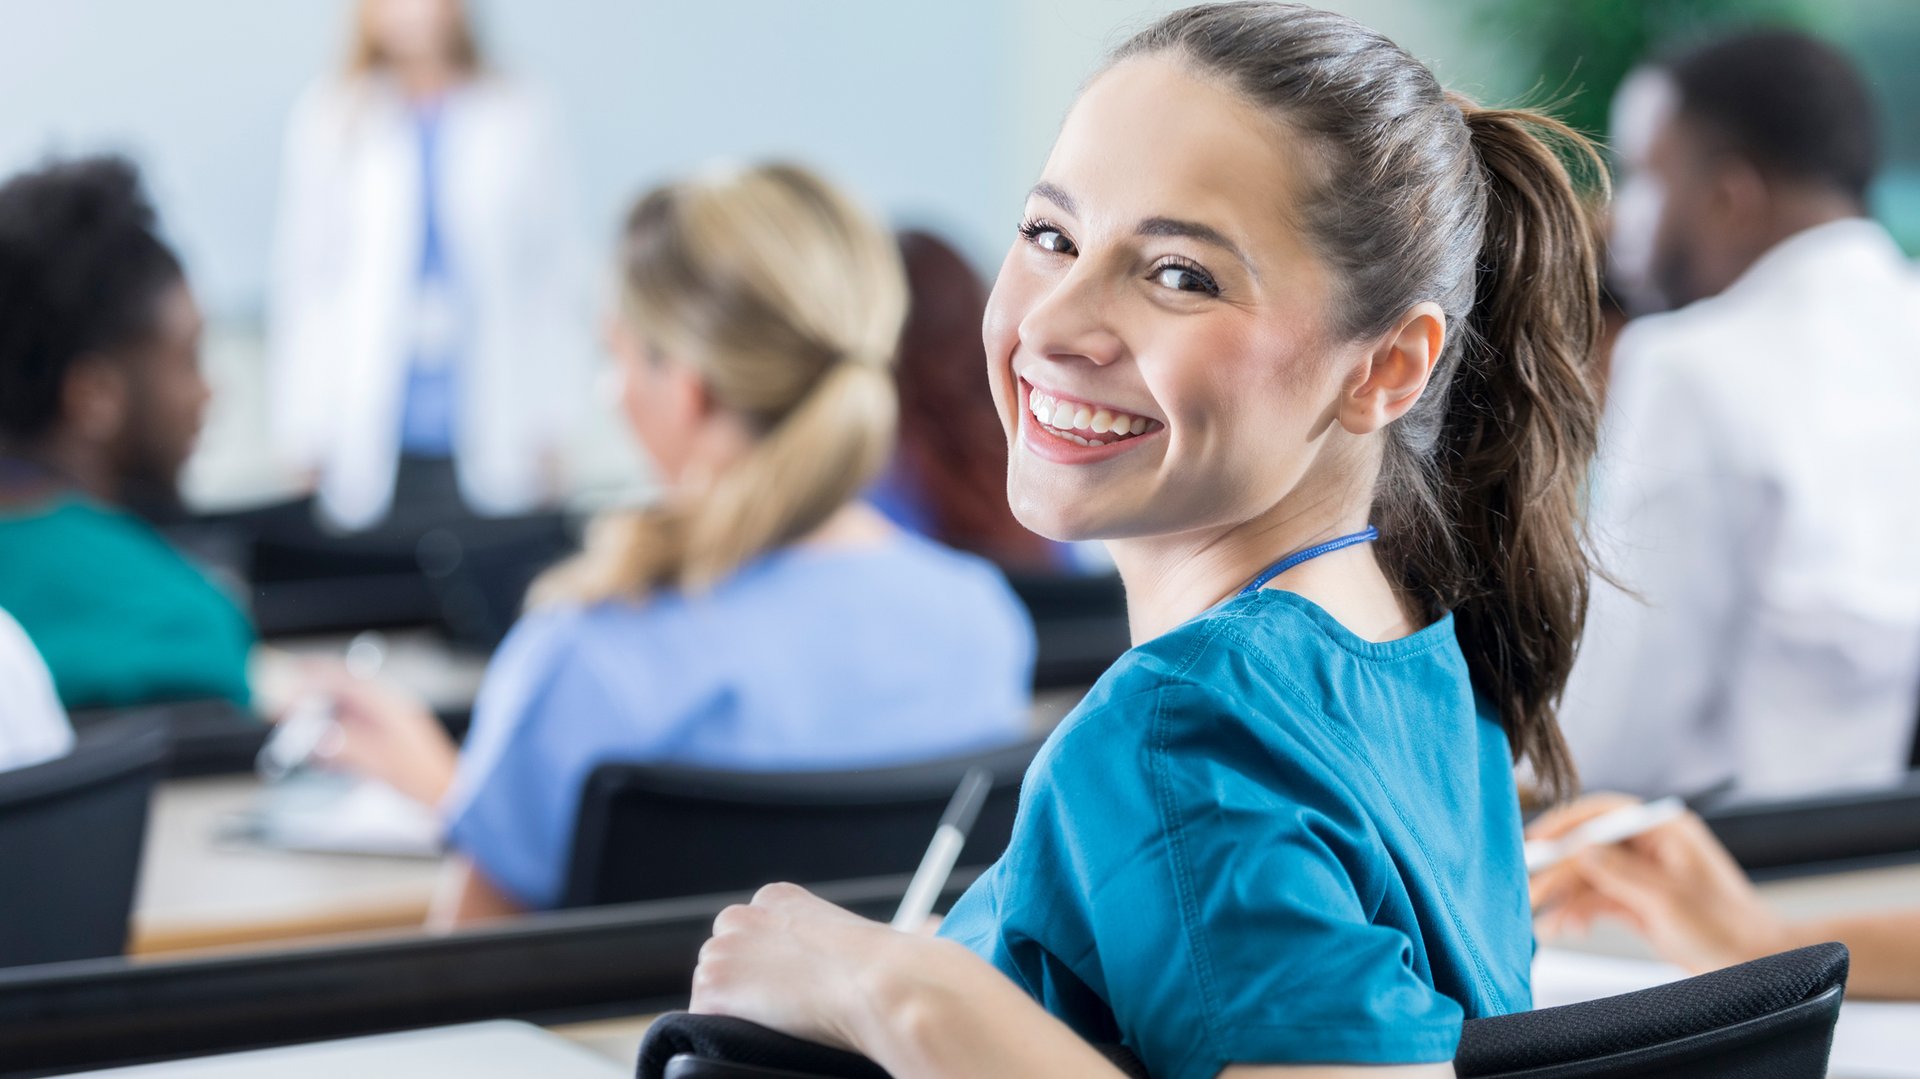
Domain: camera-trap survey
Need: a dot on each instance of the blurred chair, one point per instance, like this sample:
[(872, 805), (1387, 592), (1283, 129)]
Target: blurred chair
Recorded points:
[(1080, 625), (467, 576), (1772, 1017), (203, 738), (71, 832), (655, 831), (1821, 833)]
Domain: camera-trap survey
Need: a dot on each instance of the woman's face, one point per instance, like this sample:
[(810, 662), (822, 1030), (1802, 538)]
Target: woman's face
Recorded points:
[(1162, 286), (414, 31), (661, 400)]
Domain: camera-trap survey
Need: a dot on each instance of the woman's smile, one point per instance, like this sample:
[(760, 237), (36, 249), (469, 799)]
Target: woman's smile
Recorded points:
[(1069, 430)]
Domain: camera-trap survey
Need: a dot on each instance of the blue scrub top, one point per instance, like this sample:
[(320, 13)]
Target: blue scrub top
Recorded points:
[(1264, 840), (804, 659)]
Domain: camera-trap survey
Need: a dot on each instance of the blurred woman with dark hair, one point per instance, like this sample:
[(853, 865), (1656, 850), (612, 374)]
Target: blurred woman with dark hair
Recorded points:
[(948, 480)]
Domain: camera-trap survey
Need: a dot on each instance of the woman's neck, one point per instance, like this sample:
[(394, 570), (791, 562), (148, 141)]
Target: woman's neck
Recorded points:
[(1172, 578), (425, 80), (855, 524)]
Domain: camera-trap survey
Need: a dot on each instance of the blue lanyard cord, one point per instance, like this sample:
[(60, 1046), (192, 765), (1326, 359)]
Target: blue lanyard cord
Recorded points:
[(1365, 535)]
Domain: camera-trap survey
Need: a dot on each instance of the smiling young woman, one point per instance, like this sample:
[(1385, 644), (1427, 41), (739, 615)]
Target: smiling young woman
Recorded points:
[(1305, 339)]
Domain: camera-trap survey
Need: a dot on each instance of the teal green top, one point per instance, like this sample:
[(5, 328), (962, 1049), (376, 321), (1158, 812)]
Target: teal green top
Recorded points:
[(119, 615), (1264, 840)]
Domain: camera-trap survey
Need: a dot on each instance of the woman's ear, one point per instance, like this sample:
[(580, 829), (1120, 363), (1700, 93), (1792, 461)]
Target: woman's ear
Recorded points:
[(1395, 372), (95, 398)]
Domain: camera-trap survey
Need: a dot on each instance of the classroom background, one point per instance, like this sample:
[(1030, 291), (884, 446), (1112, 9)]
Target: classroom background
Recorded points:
[(265, 901)]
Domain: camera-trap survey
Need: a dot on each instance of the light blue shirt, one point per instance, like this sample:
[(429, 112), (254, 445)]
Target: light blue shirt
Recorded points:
[(429, 403), (1264, 840), (805, 659)]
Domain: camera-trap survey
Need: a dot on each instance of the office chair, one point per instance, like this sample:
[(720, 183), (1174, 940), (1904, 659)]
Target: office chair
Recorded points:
[(658, 831), (71, 832), (204, 737), (1769, 1019)]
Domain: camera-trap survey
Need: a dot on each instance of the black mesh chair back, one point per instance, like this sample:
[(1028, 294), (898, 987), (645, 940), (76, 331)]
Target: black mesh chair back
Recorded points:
[(1769, 1019), (659, 831), (71, 832)]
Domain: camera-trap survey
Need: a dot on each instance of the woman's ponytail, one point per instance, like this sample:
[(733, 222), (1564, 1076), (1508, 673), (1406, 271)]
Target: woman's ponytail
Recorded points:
[(788, 302), (1423, 196), (795, 476), (1520, 427)]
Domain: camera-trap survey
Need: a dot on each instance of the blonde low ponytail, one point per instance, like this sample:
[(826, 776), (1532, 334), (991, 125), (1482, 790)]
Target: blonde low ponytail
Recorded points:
[(788, 301), (796, 477)]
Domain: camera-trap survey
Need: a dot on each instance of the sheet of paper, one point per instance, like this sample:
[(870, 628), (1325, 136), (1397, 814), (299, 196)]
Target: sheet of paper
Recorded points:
[(1873, 1040), (339, 814)]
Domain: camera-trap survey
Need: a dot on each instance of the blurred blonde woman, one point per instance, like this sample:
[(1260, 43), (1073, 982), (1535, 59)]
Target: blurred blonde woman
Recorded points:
[(760, 616), (425, 325)]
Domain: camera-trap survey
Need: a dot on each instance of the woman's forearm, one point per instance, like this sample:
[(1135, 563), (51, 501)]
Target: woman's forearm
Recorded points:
[(945, 1012), (1885, 948)]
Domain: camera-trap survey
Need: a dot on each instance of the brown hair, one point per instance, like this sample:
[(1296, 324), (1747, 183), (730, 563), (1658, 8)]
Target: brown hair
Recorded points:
[(787, 299), (1426, 196), (951, 446), (364, 56)]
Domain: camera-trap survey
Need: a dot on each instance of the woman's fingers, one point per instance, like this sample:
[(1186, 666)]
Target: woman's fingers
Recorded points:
[(1555, 823), (1627, 879)]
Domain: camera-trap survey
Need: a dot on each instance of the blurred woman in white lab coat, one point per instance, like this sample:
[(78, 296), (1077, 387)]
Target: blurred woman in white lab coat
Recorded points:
[(425, 317)]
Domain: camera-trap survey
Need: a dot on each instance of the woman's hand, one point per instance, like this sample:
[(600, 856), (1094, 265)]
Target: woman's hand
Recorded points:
[(1675, 884), (386, 734), (795, 962)]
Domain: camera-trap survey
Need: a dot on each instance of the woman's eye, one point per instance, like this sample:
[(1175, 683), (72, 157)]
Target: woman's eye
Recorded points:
[(1185, 279), (1047, 238)]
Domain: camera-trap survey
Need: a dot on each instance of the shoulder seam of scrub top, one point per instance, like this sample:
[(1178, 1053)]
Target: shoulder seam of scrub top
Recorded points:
[(1173, 826), (1480, 971)]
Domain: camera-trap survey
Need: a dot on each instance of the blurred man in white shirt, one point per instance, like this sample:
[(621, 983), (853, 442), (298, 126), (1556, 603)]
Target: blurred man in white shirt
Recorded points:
[(1758, 491), (33, 726)]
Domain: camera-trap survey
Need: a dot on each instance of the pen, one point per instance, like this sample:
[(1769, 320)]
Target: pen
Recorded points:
[(1610, 827), (937, 864)]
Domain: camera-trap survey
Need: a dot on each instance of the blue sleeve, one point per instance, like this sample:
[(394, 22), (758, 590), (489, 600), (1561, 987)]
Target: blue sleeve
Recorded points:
[(544, 717), (1226, 893)]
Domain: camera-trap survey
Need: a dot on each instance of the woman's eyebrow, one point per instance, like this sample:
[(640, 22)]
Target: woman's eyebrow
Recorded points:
[(1193, 230), (1154, 226), (1053, 193)]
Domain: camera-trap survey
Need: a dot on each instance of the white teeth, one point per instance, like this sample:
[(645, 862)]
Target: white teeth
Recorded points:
[(1067, 416)]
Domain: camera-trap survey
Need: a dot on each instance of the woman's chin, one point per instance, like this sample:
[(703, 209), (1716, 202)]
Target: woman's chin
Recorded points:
[(1060, 521)]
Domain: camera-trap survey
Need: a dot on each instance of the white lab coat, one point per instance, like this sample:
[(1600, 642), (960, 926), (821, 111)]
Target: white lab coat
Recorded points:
[(346, 265), (1759, 489), (33, 726)]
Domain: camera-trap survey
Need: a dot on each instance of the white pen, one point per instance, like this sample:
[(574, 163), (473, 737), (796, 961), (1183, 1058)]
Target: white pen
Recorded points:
[(1610, 827), (948, 839)]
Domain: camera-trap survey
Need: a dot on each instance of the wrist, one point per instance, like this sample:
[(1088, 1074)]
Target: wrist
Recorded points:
[(899, 995)]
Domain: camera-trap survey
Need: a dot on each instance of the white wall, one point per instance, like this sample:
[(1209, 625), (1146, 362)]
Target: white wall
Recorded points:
[(938, 112), (898, 99)]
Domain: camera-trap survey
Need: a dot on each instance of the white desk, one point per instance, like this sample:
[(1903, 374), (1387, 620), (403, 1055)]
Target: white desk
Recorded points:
[(198, 892)]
